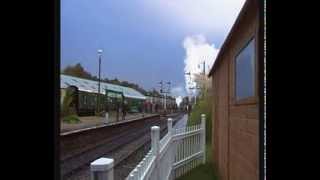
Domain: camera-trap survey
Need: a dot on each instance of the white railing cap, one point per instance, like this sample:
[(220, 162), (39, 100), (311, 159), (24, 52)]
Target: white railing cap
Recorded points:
[(101, 164)]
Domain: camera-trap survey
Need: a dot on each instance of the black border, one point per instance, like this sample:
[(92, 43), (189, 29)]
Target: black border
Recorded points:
[(56, 123), (56, 93), (261, 89)]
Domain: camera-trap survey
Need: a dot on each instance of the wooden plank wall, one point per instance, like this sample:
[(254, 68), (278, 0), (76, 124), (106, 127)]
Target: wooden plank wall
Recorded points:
[(221, 126), (236, 126)]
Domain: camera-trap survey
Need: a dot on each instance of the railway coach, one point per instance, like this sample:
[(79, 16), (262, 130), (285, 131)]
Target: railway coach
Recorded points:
[(86, 91)]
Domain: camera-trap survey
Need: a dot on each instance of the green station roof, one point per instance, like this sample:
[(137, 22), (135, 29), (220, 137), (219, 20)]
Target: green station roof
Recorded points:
[(92, 86)]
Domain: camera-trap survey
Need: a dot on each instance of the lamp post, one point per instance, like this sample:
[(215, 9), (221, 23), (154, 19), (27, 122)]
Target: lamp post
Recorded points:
[(204, 76), (98, 96)]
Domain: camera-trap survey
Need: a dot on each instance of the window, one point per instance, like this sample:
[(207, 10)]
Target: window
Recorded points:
[(245, 72)]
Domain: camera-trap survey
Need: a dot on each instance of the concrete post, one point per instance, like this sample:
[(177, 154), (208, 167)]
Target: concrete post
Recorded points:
[(102, 169), (203, 138), (155, 145)]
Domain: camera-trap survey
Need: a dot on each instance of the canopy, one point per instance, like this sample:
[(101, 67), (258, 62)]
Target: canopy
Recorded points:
[(92, 86)]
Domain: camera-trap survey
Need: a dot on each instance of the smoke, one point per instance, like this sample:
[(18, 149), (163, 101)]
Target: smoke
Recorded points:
[(198, 50), (178, 100), (178, 92)]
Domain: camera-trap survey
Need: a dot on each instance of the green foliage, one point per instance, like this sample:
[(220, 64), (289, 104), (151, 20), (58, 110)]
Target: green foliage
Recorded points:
[(71, 119), (203, 106), (68, 113), (66, 108)]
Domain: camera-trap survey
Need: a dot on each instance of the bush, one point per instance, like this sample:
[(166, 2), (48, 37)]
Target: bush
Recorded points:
[(203, 106), (71, 119), (66, 108)]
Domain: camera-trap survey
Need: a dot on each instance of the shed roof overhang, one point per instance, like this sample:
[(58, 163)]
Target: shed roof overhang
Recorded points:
[(248, 4)]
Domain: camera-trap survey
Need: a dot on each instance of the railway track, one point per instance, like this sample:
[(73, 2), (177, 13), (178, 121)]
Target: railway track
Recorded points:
[(103, 142)]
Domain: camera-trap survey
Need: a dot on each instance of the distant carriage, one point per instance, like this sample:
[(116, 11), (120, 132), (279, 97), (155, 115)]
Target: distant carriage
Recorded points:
[(86, 93)]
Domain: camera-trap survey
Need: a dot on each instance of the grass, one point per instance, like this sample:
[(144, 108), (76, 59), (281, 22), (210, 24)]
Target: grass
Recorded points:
[(71, 119), (205, 171)]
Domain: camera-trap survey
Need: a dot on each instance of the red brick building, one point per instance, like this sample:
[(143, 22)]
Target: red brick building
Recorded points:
[(236, 99)]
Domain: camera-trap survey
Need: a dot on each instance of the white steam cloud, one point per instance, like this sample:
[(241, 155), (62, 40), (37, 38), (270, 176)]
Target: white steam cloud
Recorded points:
[(178, 100), (198, 50), (179, 93)]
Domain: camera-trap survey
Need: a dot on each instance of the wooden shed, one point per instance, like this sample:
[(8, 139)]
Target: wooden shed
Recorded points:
[(235, 84)]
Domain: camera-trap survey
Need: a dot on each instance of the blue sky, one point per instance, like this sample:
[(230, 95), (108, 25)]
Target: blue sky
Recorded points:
[(145, 41)]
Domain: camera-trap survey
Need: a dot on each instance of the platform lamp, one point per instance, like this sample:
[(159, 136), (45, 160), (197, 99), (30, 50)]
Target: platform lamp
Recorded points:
[(99, 79)]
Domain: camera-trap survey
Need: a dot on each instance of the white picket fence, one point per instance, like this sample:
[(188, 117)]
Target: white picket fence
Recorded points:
[(179, 151)]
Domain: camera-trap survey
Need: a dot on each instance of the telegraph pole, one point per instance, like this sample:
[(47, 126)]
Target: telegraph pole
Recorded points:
[(165, 96), (161, 90), (204, 76)]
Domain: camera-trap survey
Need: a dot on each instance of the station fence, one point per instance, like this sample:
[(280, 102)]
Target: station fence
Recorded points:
[(179, 151)]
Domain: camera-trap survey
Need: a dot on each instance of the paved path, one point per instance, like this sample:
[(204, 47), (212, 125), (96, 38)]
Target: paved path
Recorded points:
[(182, 122)]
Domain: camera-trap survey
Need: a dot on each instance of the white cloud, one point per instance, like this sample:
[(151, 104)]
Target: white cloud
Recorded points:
[(196, 16), (198, 50), (203, 15)]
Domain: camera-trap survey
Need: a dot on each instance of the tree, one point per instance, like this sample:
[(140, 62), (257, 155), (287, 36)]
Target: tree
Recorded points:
[(115, 81), (78, 71), (204, 83), (154, 92)]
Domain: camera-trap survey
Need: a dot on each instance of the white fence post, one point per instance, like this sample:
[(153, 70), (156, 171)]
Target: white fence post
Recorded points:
[(102, 169), (155, 143), (203, 138)]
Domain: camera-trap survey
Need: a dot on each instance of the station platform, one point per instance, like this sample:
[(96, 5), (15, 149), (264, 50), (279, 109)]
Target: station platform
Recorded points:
[(93, 121)]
